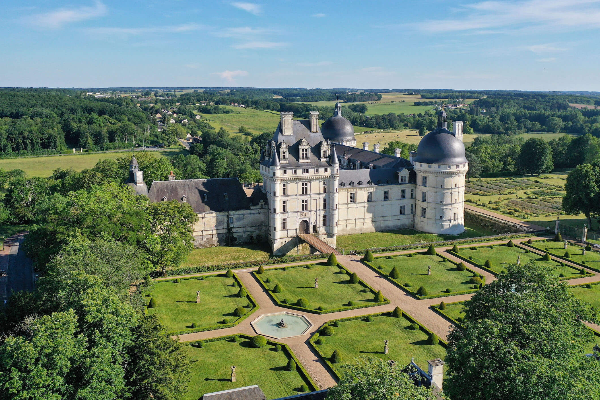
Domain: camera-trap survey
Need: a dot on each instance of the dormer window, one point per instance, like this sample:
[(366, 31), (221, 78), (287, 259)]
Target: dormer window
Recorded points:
[(205, 197), (304, 147), (284, 152)]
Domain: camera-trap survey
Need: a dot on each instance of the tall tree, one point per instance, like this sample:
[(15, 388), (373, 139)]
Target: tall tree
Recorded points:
[(535, 157), (583, 191)]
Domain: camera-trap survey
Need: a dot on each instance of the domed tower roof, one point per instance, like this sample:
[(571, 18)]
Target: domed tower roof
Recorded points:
[(337, 128), (440, 146)]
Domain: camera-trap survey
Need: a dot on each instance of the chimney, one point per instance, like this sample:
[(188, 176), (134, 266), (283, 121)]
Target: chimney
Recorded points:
[(366, 146), (171, 176), (436, 371), (398, 153), (411, 156), (138, 177), (286, 123), (376, 147), (458, 130), (314, 121)]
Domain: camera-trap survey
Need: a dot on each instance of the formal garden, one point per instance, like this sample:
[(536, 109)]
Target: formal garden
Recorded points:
[(497, 257), (341, 341), (318, 288), (573, 253), (455, 312), (272, 367), (427, 275), (199, 303), (590, 293)]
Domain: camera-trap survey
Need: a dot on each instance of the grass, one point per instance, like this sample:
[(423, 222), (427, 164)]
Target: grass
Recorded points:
[(383, 137), (591, 258), (43, 166), (177, 308), (334, 292), (413, 270), (359, 338), (265, 367), (501, 256), (225, 255), (454, 311), (589, 295), (363, 241), (256, 121)]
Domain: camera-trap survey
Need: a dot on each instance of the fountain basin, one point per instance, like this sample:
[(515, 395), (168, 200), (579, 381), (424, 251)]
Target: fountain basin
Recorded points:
[(268, 325)]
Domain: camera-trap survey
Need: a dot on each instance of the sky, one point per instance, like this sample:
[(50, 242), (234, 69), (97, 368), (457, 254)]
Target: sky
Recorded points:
[(521, 44)]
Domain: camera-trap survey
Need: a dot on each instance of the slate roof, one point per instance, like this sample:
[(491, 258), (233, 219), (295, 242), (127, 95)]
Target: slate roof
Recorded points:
[(440, 146), (366, 157), (368, 177), (243, 393), (300, 130), (204, 195), (337, 128)]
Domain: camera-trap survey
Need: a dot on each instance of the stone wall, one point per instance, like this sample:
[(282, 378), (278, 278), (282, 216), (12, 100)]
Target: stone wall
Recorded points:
[(231, 227)]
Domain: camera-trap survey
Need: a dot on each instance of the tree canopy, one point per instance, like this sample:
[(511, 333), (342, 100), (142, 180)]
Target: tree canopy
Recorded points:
[(583, 191)]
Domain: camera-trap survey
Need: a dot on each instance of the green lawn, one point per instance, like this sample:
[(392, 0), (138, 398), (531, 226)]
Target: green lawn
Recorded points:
[(362, 241), (359, 338), (225, 255), (591, 295), (256, 121), (177, 309), (454, 311), (334, 292), (501, 256), (265, 367), (591, 258), (413, 270)]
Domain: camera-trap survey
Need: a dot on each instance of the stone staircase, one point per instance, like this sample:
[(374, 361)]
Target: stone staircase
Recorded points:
[(318, 244)]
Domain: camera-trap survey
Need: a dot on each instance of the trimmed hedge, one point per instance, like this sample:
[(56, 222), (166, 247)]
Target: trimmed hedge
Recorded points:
[(369, 256), (332, 260), (258, 341)]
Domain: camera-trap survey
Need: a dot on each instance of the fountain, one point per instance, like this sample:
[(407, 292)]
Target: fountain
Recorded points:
[(281, 325)]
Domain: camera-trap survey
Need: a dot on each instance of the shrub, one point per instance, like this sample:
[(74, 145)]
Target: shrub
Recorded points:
[(510, 244), (267, 280), (379, 297), (433, 339), (394, 273), (475, 280), (302, 302), (448, 290), (351, 303), (529, 241), (303, 388), (199, 344), (567, 254), (291, 365), (414, 326), (176, 280), (229, 273), (406, 284), (327, 330), (261, 270), (582, 271), (332, 260), (336, 357), (278, 347), (397, 313), (194, 325), (422, 291), (547, 257), (588, 286), (152, 303), (320, 308), (369, 256), (334, 324), (277, 288), (353, 278), (461, 267), (455, 249), (319, 341), (588, 248), (442, 306), (240, 311), (558, 237), (488, 264), (369, 318), (259, 341), (242, 293), (431, 250)]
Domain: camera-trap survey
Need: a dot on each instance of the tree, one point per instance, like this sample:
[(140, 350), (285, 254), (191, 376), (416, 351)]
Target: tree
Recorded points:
[(583, 191), (332, 260), (535, 157), (376, 379), (523, 338)]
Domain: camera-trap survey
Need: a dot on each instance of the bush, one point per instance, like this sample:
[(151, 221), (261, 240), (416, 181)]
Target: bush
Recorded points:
[(320, 308), (152, 303), (278, 347), (394, 273), (431, 250), (332, 260), (588, 286), (242, 293), (414, 326), (379, 297), (582, 271), (567, 254), (588, 248), (433, 339), (422, 291), (176, 280), (488, 264), (267, 280), (406, 284), (558, 237), (319, 341), (259, 341), (397, 313), (303, 388), (510, 244), (369, 256), (291, 365), (369, 318), (461, 267), (442, 306), (277, 288), (336, 357), (334, 324), (353, 278), (302, 302), (448, 290), (455, 249), (240, 311), (351, 303), (475, 280), (529, 241), (261, 270), (547, 257), (326, 331), (229, 273), (194, 325)]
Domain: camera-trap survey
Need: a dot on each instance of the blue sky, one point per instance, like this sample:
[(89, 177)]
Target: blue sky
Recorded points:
[(525, 44)]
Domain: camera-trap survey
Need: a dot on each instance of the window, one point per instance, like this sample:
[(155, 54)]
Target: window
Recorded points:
[(412, 193), (403, 194), (326, 169), (424, 184), (386, 195), (284, 223), (284, 189), (440, 217), (304, 205), (295, 171), (455, 216), (352, 197), (285, 171), (230, 220), (304, 187), (316, 170), (284, 206), (403, 179), (324, 187), (324, 220), (423, 212), (370, 196), (412, 209), (402, 210), (324, 204), (424, 196), (284, 155), (305, 170), (304, 154)]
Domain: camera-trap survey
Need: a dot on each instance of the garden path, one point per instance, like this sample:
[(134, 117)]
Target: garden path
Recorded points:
[(531, 227)]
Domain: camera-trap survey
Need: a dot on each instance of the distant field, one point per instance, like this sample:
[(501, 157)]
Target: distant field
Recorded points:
[(410, 136), (542, 135), (580, 106), (255, 121), (43, 166)]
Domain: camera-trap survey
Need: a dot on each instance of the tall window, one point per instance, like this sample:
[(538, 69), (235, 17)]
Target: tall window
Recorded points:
[(455, 216), (370, 196), (403, 194), (284, 189), (402, 210), (284, 206), (403, 179), (284, 223), (304, 187), (412, 209), (424, 196), (423, 212), (386, 195), (304, 154), (424, 181), (324, 187), (324, 204), (324, 220), (305, 170), (412, 193), (304, 205), (284, 155), (352, 197)]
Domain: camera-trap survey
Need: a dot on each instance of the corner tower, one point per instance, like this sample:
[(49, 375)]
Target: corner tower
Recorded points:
[(440, 165)]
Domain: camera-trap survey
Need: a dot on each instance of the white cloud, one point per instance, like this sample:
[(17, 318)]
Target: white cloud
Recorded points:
[(58, 18), (259, 45), (565, 14), (550, 59), (545, 48), (108, 31), (252, 8), (243, 32), (319, 15), (316, 64), (230, 76)]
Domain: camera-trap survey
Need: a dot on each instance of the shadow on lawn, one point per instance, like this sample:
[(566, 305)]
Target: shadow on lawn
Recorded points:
[(217, 379)]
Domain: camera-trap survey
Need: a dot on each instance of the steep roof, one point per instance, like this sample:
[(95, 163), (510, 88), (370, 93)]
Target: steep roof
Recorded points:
[(440, 146), (368, 177), (366, 157)]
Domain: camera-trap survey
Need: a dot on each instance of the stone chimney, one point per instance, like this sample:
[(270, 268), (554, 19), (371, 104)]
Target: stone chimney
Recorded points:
[(398, 153), (458, 130), (376, 147), (365, 145), (411, 156), (314, 121), (171, 176), (436, 371), (286, 123)]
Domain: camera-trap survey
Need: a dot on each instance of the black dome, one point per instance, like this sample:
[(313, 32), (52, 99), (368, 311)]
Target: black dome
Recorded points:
[(337, 129), (440, 147)]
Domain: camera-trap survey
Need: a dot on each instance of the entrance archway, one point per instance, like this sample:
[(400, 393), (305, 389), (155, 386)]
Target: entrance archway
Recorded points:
[(303, 227)]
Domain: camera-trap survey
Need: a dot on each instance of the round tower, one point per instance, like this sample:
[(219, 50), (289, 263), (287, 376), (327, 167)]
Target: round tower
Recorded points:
[(441, 166)]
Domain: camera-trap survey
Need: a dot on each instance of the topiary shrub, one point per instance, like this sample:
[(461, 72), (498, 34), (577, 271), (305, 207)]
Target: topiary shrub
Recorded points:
[(394, 273), (267, 280), (240, 311), (379, 297), (567, 254), (351, 303), (320, 308), (431, 250), (334, 324), (291, 365), (332, 260), (582, 271), (327, 330), (558, 237), (442, 306), (461, 267), (258, 341), (406, 284), (448, 290), (414, 326), (368, 318), (529, 241), (152, 303), (369, 256), (319, 341), (547, 257), (475, 280), (588, 248), (229, 273), (455, 249), (261, 270), (277, 347), (242, 293), (353, 278), (422, 291), (302, 302), (194, 325), (433, 339), (510, 244), (303, 388), (397, 313), (336, 357), (488, 264), (588, 286), (277, 288)]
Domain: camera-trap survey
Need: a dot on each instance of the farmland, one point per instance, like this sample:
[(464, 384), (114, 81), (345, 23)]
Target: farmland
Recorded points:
[(255, 121)]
